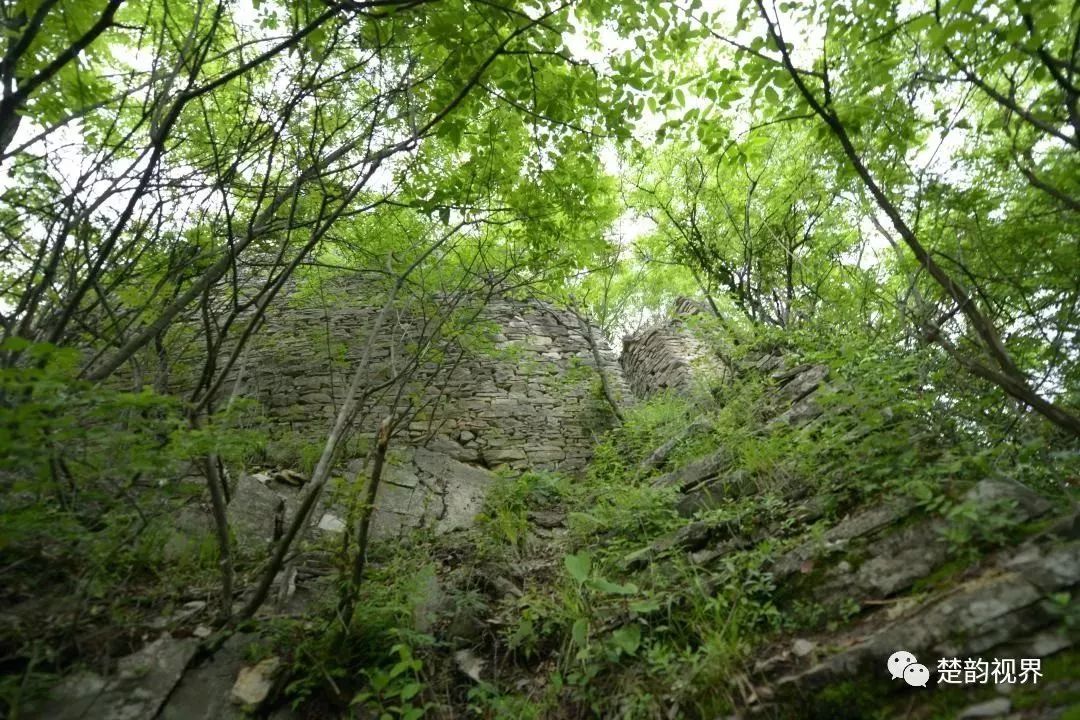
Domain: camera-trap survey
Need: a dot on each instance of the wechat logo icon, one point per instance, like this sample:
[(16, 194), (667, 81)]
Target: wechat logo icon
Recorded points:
[(903, 665)]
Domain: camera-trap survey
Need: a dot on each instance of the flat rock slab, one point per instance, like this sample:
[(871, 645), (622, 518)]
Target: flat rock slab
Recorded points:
[(255, 683), (660, 455), (899, 553), (998, 707), (203, 694), (711, 492), (800, 382), (1002, 608), (686, 477), (254, 506), (464, 487), (143, 682), (1008, 497), (427, 488)]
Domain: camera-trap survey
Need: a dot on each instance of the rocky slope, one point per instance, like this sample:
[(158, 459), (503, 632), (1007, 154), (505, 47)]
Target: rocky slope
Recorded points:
[(687, 573)]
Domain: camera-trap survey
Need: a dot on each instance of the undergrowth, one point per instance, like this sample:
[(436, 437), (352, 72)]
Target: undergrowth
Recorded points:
[(589, 634)]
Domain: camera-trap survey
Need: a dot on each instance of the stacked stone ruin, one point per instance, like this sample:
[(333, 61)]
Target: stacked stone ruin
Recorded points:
[(667, 355), (533, 408), (528, 400)]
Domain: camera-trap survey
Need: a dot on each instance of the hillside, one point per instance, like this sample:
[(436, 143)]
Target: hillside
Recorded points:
[(539, 359), (756, 539)]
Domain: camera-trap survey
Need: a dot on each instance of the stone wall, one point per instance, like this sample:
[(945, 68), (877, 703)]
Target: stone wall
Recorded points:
[(527, 398), (526, 401), (667, 356)]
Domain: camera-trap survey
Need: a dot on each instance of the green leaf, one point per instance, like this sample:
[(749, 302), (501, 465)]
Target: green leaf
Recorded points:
[(606, 586), (645, 606), (627, 638), (579, 566), (580, 632), (379, 680), (920, 23), (15, 344)]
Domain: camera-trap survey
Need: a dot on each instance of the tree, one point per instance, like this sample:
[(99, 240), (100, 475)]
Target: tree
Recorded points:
[(758, 223), (943, 82), (173, 167)]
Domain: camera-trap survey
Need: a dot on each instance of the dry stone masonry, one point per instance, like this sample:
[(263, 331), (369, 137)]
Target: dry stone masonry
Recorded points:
[(527, 399), (667, 356), (888, 564)]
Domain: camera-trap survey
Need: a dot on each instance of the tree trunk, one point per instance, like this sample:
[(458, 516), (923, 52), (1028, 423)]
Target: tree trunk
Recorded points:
[(598, 360), (219, 505), (348, 598)]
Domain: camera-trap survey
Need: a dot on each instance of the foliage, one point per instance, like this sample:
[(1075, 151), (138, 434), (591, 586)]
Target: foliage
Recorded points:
[(885, 189), (679, 632), (613, 638), (374, 664), (506, 506), (93, 479), (392, 691), (757, 225)]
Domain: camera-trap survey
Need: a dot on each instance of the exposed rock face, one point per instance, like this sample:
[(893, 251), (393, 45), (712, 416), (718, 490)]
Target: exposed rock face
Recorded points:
[(164, 680), (1002, 610), (423, 488), (888, 562), (205, 691), (420, 488), (141, 685)]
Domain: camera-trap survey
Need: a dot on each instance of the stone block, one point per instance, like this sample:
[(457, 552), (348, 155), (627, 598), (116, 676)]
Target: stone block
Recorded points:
[(143, 682), (695, 472), (504, 454), (252, 510), (255, 683)]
